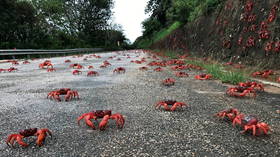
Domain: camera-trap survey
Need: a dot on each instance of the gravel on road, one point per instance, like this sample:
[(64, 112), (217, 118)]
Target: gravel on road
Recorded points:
[(191, 131)]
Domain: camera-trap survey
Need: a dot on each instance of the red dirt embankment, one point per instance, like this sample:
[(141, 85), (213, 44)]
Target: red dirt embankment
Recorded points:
[(246, 31)]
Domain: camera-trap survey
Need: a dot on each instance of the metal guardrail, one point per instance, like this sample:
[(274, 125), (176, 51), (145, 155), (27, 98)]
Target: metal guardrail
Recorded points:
[(38, 52)]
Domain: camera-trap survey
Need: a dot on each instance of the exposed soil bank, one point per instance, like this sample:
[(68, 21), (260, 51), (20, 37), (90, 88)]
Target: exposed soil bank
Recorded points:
[(246, 31)]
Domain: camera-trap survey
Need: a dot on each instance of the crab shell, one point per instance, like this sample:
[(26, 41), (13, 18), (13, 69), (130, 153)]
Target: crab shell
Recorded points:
[(28, 132)]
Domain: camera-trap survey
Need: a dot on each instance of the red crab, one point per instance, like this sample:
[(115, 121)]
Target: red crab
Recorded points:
[(158, 69), (240, 91), (263, 74), (264, 34), (76, 66), (102, 66), (170, 105), (268, 46), (168, 82), (137, 61), (278, 80), (250, 41), (76, 72), (277, 46), (249, 6), (25, 62), (63, 91), (181, 74), (253, 27), (67, 61), (176, 62), (90, 67), (240, 40), (119, 70), (92, 73), (263, 25), (229, 113), (271, 16), (40, 133), (143, 68), (194, 67), (11, 69), (51, 69), (106, 63), (252, 84), (46, 64), (14, 62), (252, 18), (228, 63), (179, 67), (155, 63), (203, 77), (249, 122), (105, 115)]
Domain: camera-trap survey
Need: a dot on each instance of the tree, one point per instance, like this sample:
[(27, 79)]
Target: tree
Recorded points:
[(18, 21), (57, 24)]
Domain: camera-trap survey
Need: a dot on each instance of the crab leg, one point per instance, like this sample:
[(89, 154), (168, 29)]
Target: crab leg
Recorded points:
[(264, 127), (16, 137), (10, 140), (119, 119), (250, 127), (177, 105), (87, 117), (103, 123), (166, 108), (248, 91), (69, 95), (76, 94)]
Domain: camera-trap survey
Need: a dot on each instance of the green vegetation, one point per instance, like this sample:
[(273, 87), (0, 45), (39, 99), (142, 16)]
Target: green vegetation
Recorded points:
[(218, 72), (168, 15), (52, 24), (159, 35), (170, 54), (166, 31)]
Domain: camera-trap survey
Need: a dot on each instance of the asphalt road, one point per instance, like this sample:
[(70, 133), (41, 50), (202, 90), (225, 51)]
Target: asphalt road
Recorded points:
[(192, 131)]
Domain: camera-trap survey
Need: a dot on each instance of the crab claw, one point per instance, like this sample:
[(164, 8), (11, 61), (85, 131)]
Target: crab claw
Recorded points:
[(54, 95), (162, 103), (238, 119), (177, 104), (41, 135), (87, 117), (71, 94), (11, 139), (119, 119)]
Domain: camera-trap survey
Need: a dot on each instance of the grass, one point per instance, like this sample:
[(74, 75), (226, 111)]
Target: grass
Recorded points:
[(170, 54), (157, 36), (165, 32), (218, 72)]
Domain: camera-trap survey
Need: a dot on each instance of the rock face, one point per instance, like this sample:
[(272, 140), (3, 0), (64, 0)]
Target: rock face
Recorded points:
[(246, 31)]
